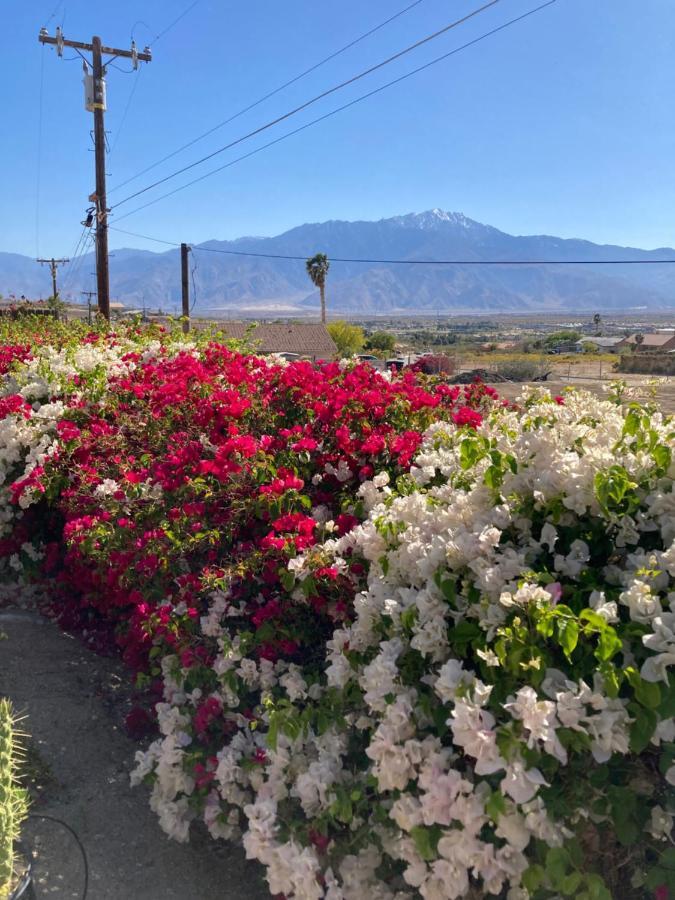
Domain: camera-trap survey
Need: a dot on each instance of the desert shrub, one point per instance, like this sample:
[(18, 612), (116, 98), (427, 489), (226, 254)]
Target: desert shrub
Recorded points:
[(522, 369)]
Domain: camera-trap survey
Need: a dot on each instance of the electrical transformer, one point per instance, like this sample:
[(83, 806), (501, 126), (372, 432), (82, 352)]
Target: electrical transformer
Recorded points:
[(89, 95)]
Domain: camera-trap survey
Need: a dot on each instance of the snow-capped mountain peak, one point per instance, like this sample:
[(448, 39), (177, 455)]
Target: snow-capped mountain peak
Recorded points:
[(432, 219)]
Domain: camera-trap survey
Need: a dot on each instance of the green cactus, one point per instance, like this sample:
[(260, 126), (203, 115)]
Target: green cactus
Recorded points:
[(13, 798)]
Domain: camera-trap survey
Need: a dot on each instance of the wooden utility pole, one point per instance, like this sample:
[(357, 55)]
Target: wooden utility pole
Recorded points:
[(96, 103), (185, 286), (53, 265), (102, 270), (88, 295)]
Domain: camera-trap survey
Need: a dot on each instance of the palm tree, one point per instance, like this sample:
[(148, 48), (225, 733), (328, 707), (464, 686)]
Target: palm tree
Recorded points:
[(639, 340), (596, 321), (317, 269)]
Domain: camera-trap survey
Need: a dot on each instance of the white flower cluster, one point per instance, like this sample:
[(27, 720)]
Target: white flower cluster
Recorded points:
[(47, 382), (515, 645)]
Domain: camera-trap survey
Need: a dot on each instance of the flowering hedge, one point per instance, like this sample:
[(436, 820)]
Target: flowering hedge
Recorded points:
[(498, 715), (410, 642)]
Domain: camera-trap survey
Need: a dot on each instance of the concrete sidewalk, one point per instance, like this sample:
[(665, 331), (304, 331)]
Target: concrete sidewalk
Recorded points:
[(70, 697)]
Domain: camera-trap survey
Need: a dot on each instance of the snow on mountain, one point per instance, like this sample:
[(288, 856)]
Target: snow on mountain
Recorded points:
[(237, 282)]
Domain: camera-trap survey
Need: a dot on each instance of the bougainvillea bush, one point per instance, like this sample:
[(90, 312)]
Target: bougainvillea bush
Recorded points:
[(496, 716), (409, 641)]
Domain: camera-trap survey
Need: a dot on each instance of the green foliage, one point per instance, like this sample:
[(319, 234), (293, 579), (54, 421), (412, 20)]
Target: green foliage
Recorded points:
[(562, 337), (348, 338), (13, 798), (383, 341)]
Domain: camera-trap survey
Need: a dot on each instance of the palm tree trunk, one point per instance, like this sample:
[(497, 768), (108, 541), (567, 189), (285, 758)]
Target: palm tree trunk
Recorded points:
[(322, 291)]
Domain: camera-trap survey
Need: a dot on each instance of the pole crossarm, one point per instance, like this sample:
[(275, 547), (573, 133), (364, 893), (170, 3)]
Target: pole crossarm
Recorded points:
[(145, 56), (95, 101), (53, 267)]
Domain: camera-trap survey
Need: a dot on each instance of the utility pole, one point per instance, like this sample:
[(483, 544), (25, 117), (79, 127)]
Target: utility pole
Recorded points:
[(53, 265), (88, 295), (95, 101), (185, 287)]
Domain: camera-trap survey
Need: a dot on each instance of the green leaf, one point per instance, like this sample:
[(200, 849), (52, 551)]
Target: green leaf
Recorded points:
[(648, 693), (493, 477), (449, 588), (533, 877), (557, 864), (464, 632), (570, 883), (662, 456), (568, 635), (426, 841), (597, 890), (495, 805), (342, 808), (287, 579), (631, 424), (613, 488), (273, 731), (469, 453), (408, 618), (667, 757), (643, 727), (590, 616), (655, 878), (667, 859), (609, 644), (667, 706)]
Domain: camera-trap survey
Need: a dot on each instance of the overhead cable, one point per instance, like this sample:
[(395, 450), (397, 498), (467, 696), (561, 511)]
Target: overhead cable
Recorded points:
[(312, 101), (265, 97), (411, 262), (339, 109)]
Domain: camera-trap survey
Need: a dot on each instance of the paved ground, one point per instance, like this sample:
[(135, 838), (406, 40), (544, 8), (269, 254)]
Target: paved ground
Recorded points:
[(83, 758)]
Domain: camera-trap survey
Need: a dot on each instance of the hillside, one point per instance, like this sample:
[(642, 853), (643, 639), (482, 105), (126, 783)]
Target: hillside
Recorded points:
[(226, 282)]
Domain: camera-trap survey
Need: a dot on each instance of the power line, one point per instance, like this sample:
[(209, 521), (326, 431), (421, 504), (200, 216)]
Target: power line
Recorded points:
[(339, 109), (73, 273), (76, 257), (56, 9), (126, 110), (119, 68), (313, 100), (267, 96), (38, 185), (168, 28), (416, 262)]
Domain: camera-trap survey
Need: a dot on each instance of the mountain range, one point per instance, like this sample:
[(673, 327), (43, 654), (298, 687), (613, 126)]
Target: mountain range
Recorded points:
[(228, 284)]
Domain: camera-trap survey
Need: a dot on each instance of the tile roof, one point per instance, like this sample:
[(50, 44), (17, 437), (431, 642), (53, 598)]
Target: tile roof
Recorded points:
[(304, 339), (601, 341), (655, 339)]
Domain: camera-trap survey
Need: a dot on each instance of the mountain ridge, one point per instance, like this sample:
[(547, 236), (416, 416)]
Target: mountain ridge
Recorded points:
[(227, 281)]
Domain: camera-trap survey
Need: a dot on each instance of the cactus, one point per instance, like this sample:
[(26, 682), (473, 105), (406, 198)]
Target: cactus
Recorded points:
[(13, 798)]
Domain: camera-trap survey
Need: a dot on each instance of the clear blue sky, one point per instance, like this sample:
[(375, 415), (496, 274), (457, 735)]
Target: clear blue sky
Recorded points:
[(562, 124)]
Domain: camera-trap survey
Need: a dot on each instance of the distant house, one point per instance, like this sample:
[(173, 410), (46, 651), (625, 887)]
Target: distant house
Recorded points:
[(657, 340), (308, 341), (606, 344), (499, 345)]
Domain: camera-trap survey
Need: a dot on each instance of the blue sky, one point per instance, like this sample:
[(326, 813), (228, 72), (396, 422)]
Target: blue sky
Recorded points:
[(561, 125)]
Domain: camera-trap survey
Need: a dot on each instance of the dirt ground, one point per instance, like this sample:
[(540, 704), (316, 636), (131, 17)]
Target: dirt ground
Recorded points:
[(665, 389), (79, 763)]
